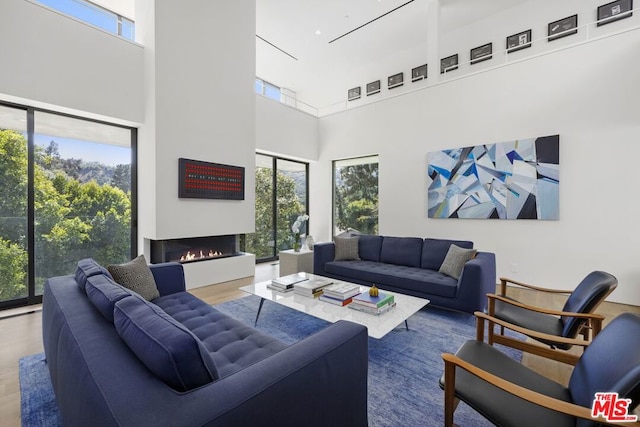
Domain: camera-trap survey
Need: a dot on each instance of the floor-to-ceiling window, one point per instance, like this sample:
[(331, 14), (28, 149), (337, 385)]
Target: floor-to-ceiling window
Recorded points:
[(281, 195), (67, 189), (355, 195)]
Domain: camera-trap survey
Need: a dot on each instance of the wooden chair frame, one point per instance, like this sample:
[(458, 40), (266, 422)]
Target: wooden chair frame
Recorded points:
[(594, 324), (451, 362)]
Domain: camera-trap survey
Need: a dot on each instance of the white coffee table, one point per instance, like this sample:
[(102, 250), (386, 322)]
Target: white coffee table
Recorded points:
[(377, 326)]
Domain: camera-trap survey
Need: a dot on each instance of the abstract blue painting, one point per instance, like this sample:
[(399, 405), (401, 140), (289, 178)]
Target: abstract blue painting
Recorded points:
[(508, 180)]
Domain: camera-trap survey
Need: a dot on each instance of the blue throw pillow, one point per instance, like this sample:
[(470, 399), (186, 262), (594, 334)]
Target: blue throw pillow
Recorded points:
[(168, 349), (104, 293), (86, 268)]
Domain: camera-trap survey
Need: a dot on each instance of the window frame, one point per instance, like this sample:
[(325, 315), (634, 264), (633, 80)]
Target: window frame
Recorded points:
[(31, 297)]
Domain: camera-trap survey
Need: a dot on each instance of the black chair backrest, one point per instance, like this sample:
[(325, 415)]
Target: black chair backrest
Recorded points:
[(611, 363), (591, 291)]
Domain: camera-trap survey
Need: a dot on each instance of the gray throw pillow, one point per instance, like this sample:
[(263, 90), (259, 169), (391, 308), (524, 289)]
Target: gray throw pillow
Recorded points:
[(454, 261), (137, 276), (346, 249)]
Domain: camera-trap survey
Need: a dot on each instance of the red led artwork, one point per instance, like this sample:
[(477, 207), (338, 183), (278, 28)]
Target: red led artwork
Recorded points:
[(204, 180)]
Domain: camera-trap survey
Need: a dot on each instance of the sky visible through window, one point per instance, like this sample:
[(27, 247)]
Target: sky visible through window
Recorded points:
[(111, 155), (92, 14)]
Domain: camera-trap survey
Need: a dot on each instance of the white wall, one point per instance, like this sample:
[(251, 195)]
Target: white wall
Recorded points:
[(53, 61), (589, 95), (201, 105), (285, 131)]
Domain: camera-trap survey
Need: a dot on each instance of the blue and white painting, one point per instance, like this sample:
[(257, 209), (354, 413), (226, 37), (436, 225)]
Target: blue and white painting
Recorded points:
[(507, 180)]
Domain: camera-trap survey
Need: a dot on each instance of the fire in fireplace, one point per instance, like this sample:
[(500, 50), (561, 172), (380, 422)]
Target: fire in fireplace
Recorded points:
[(192, 249)]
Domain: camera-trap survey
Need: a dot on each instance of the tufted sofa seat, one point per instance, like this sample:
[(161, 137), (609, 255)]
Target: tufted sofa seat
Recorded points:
[(231, 343)]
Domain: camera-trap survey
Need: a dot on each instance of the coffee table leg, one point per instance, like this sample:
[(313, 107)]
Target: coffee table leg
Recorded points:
[(406, 325), (258, 314)]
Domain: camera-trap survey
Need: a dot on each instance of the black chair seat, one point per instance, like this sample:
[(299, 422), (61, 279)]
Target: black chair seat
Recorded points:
[(498, 406), (531, 320)]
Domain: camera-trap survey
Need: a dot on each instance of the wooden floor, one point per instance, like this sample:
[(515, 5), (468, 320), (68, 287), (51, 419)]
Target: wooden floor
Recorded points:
[(21, 335)]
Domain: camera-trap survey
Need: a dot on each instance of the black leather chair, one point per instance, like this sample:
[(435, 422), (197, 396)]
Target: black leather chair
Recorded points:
[(510, 394), (556, 329)]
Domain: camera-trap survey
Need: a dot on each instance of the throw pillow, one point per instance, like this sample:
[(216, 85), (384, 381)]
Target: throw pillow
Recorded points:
[(454, 261), (346, 249), (136, 275)]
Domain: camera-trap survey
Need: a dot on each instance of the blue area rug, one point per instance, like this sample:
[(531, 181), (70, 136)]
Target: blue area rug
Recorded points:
[(404, 366)]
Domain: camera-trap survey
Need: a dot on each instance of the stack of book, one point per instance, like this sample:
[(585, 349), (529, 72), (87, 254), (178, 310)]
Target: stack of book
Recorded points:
[(286, 283), (373, 305), (312, 287), (339, 293)]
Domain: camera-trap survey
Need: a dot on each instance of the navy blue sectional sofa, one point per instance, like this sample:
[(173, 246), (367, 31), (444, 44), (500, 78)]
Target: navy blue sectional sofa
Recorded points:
[(410, 265), (116, 359)]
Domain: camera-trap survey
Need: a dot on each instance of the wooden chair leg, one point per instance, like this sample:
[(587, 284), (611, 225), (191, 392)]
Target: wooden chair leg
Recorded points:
[(450, 400)]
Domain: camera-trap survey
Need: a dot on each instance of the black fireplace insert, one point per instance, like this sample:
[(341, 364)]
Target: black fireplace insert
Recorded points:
[(193, 249)]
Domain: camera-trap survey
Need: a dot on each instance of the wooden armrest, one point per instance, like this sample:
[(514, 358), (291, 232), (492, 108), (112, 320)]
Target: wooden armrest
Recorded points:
[(505, 280), (593, 316), (481, 317), (527, 394)]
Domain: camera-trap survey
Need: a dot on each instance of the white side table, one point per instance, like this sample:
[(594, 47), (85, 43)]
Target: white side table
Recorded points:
[(292, 262)]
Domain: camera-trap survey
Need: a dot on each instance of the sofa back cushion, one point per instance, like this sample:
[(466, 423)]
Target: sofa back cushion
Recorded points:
[(104, 293), (86, 268), (401, 251), (369, 248), (163, 345), (434, 251)]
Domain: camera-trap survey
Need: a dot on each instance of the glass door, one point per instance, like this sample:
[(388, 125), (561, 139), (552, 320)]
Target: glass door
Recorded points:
[(14, 240), (82, 194), (281, 195)]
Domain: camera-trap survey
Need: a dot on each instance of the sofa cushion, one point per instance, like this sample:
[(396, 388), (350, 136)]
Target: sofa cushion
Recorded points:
[(434, 251), (104, 293), (86, 268), (346, 248), (369, 247), (401, 251), (231, 344), (167, 348), (454, 261), (137, 276), (400, 276)]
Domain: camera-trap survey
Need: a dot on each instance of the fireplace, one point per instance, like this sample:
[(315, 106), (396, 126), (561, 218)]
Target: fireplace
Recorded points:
[(194, 249)]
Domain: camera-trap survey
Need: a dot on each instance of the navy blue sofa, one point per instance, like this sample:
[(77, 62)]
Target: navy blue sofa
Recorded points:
[(118, 360), (409, 265)]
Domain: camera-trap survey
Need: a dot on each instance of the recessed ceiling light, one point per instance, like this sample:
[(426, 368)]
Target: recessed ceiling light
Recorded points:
[(318, 32)]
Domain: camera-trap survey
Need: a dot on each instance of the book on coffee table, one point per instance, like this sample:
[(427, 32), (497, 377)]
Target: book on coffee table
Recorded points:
[(287, 282), (335, 301), (370, 310), (378, 301), (312, 287), (341, 290)]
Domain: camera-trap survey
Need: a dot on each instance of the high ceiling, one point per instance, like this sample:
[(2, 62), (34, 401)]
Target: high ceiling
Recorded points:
[(298, 43), (320, 67)]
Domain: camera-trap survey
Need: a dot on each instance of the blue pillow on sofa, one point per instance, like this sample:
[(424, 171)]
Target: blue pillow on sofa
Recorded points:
[(104, 293), (86, 268), (163, 345)]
